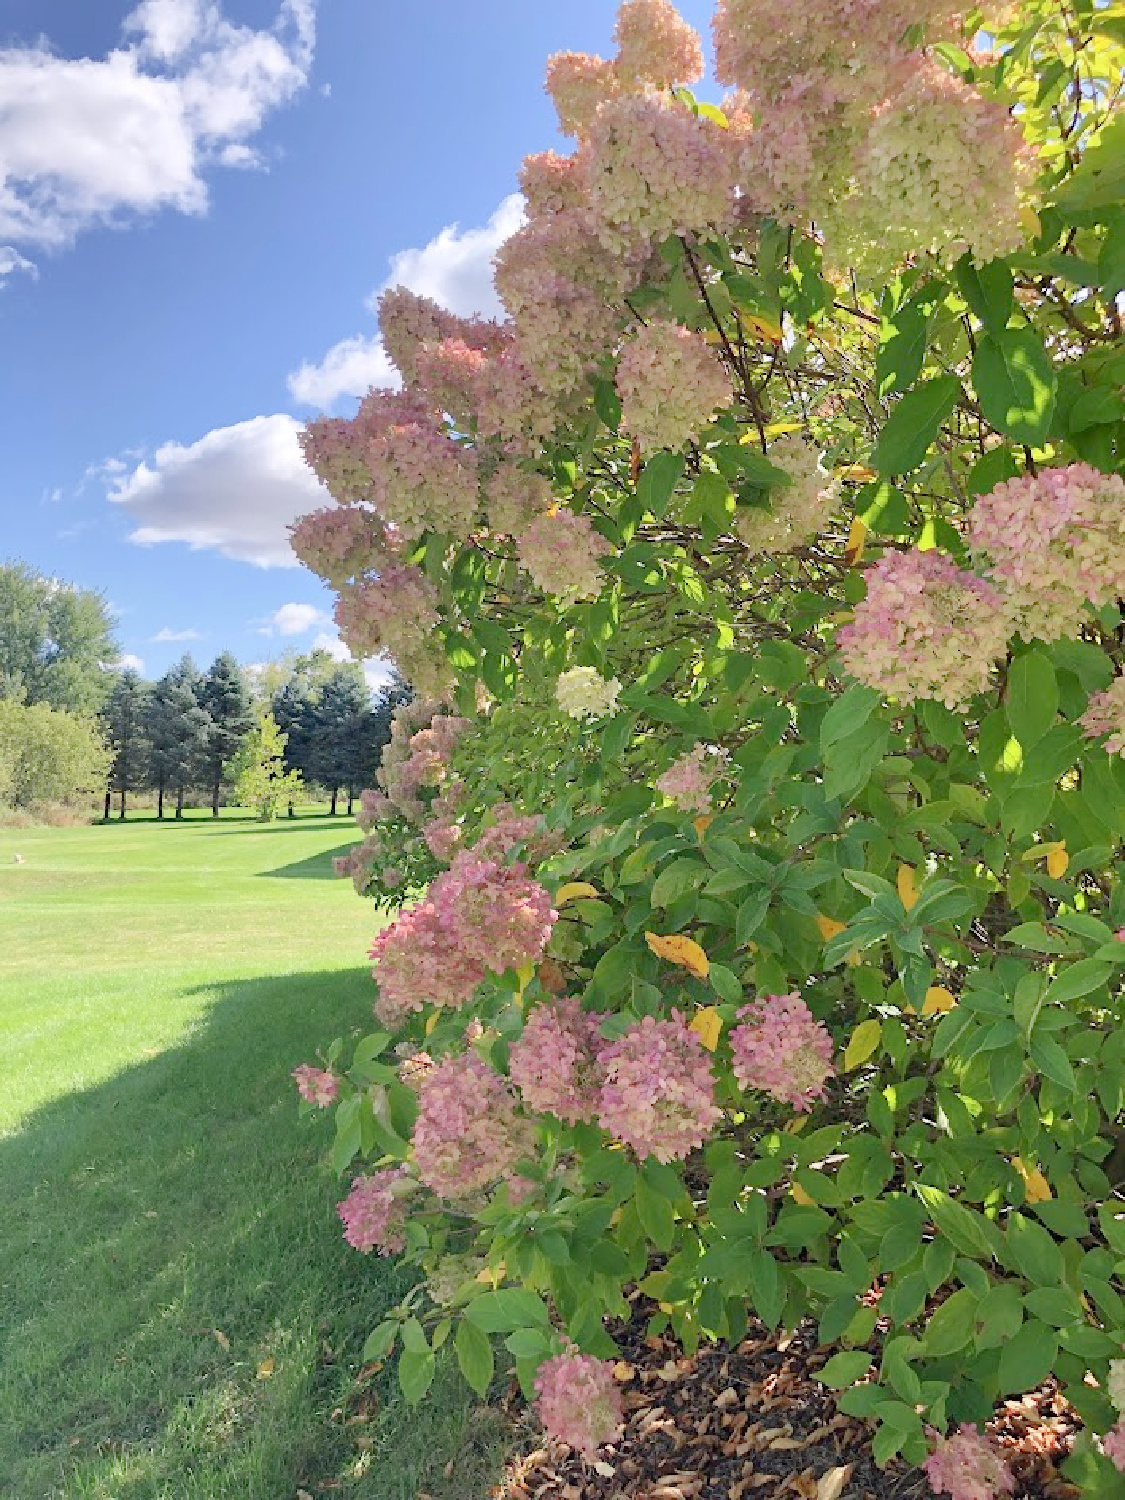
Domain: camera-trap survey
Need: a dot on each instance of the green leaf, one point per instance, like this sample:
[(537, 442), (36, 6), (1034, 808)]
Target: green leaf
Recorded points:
[(988, 290), (1027, 1358), (474, 1355), (1082, 978), (951, 1326), (380, 1341), (415, 1374), (508, 1309), (1050, 1060), (1016, 384), (1031, 697), (902, 347), (676, 880), (969, 1231), (658, 1219), (1099, 179), (1034, 1252), (844, 1369), (914, 424), (849, 713), (658, 479)]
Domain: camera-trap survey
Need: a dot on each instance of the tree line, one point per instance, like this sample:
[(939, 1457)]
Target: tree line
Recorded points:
[(181, 734), (73, 725)]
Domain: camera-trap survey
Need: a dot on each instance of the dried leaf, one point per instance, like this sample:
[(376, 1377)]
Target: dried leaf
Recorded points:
[(853, 547), (681, 950), (708, 1025), (266, 1368), (938, 1000), (1036, 1186), (828, 927), (221, 1339), (702, 823), (830, 1486)]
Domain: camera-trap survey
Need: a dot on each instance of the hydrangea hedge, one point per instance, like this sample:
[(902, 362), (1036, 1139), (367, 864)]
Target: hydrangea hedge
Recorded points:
[(760, 579)]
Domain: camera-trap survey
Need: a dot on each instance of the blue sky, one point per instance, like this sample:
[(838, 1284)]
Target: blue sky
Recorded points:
[(197, 203)]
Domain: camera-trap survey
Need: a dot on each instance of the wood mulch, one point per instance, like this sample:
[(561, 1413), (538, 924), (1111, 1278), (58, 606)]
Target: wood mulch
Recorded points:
[(752, 1422)]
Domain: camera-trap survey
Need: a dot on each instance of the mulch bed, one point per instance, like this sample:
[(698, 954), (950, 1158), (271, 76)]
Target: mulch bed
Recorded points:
[(751, 1423)]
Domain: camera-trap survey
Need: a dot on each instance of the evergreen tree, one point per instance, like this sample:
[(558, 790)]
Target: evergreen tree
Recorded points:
[(340, 710), (226, 698), (125, 716), (178, 732)]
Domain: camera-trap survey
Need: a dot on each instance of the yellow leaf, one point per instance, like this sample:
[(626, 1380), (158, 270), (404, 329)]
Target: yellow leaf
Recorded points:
[(854, 959), (572, 890), (762, 324), (853, 547), (265, 1369), (828, 927), (702, 823), (797, 1124), (221, 1338), (1036, 1186), (1030, 221), (681, 950), (525, 976), (799, 1195), (856, 471), (707, 1025), (907, 886), (865, 1039), (1057, 862), (938, 1000), (431, 1021)]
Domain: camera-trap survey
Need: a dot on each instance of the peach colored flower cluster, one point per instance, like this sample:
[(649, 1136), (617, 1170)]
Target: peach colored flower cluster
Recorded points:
[(467, 1134), (671, 383), (554, 1061), (658, 1096), (1054, 541), (583, 693), (396, 611), (927, 629), (343, 543), (967, 1466), (316, 1086), (375, 1211), (579, 1401), (780, 1048), (560, 550), (1106, 715), (687, 781)]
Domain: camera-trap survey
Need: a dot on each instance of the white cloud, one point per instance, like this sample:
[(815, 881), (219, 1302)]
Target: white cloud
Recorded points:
[(455, 269), (130, 662), (11, 261), (294, 619), (378, 670), (236, 490), (328, 641), (87, 140), (167, 634)]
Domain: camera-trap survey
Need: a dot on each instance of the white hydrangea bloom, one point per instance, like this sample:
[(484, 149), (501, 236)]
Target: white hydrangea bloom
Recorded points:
[(583, 694)]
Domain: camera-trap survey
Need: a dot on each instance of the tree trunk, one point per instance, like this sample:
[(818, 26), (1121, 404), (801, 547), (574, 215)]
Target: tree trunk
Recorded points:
[(108, 806), (121, 814), (292, 812), (351, 800), (160, 798), (215, 795), (332, 804), (179, 802)]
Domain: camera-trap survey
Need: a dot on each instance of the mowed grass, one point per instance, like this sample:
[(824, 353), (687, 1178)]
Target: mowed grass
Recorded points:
[(179, 1317)]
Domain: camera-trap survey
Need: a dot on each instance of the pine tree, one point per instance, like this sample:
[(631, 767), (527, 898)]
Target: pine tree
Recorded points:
[(226, 698), (124, 717), (178, 732)]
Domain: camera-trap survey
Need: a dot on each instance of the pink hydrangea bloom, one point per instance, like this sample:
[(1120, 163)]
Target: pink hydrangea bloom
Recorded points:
[(467, 1134), (577, 83), (655, 169), (418, 962), (1055, 540), (420, 478), (687, 782), (374, 1212), (374, 806), (443, 838), (1114, 1444), (316, 1086), (659, 1092), (407, 323), (396, 612), (1106, 715), (671, 382), (342, 543), (967, 1466), (656, 45), (554, 1061), (497, 915), (550, 183), (509, 829), (782, 1049), (579, 1401), (798, 510), (560, 550), (927, 629)]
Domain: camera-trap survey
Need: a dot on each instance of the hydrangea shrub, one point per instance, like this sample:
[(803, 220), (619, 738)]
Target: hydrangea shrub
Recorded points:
[(754, 833)]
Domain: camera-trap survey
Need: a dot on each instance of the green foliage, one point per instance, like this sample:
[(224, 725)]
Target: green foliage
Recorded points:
[(258, 770), (56, 641), (49, 755)]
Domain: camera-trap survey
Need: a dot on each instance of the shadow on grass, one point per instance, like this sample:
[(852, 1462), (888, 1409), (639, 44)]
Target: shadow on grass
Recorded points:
[(315, 867), (179, 1316)]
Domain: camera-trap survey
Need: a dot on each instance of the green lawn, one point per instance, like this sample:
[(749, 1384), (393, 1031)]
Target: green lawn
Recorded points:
[(179, 1318)]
